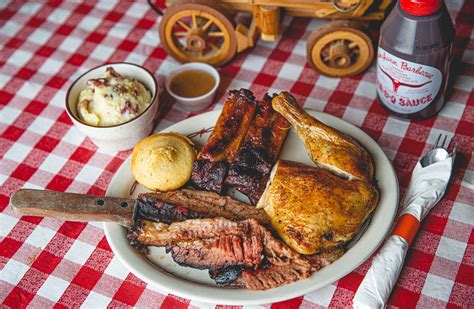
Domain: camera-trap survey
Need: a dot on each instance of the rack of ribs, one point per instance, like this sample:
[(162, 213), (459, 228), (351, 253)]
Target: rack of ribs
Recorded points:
[(212, 164), (250, 170)]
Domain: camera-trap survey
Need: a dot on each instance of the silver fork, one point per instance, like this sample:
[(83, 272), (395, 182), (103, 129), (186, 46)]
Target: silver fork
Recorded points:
[(440, 152)]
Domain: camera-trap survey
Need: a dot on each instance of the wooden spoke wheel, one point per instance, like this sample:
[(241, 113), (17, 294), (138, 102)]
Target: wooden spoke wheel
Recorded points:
[(198, 32), (340, 48)]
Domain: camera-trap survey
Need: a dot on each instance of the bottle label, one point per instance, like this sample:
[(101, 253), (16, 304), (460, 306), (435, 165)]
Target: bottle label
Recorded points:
[(403, 86)]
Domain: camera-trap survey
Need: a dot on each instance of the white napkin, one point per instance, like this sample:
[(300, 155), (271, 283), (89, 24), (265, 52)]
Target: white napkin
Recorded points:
[(426, 188)]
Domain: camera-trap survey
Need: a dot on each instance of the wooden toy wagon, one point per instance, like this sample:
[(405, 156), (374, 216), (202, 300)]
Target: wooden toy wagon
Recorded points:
[(205, 31)]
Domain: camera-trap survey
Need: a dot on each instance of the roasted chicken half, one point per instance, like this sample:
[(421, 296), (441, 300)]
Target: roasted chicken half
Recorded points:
[(314, 210), (327, 147)]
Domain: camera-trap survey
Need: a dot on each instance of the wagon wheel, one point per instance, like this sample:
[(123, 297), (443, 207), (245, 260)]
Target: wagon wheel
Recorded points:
[(340, 48), (198, 32)]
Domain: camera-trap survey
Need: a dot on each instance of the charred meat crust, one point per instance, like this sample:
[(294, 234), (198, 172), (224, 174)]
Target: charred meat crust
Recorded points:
[(250, 170), (152, 209), (249, 173), (210, 204), (226, 275), (212, 164), (209, 175), (231, 126)]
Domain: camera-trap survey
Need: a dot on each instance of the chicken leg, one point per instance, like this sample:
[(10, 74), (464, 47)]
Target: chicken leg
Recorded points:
[(327, 147)]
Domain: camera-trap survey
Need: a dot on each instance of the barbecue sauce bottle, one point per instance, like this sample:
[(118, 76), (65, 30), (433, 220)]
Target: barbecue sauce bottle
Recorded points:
[(414, 58)]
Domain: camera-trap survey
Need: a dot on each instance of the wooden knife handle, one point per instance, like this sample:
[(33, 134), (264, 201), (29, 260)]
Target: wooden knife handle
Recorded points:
[(72, 206)]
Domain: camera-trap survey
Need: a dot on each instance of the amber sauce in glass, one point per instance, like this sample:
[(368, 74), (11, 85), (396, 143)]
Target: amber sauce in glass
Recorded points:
[(192, 83)]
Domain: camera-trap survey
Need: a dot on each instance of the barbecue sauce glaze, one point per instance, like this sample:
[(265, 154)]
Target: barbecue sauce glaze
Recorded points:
[(414, 58)]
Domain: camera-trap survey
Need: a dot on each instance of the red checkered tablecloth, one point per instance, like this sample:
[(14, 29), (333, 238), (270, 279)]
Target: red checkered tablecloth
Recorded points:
[(44, 46)]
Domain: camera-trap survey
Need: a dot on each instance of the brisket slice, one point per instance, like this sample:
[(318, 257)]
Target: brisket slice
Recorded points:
[(164, 235), (323, 259), (250, 170), (152, 208), (180, 205), (212, 163), (219, 252), (271, 276)]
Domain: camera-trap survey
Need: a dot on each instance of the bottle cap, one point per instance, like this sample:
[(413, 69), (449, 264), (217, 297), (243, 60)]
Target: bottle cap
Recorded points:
[(421, 7)]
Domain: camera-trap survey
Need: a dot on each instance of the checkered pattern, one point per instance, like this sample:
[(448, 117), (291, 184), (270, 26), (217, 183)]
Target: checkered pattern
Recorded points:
[(44, 46)]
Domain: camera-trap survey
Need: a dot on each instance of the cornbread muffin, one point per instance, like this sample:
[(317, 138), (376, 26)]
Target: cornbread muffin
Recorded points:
[(163, 161)]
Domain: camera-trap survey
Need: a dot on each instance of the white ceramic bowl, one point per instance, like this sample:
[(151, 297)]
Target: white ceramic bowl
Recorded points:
[(198, 103), (121, 136)]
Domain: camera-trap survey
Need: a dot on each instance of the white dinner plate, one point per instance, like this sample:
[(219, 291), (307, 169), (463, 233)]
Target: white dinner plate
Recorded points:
[(158, 268)]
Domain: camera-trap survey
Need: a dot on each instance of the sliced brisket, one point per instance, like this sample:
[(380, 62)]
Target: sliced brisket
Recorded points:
[(239, 253), (219, 252), (272, 276), (199, 204), (218, 243)]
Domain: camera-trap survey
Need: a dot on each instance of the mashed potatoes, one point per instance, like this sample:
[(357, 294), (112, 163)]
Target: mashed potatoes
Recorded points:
[(112, 99), (163, 161)]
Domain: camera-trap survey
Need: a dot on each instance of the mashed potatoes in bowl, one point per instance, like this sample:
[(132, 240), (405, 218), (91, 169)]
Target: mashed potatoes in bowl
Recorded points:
[(112, 99), (114, 104)]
